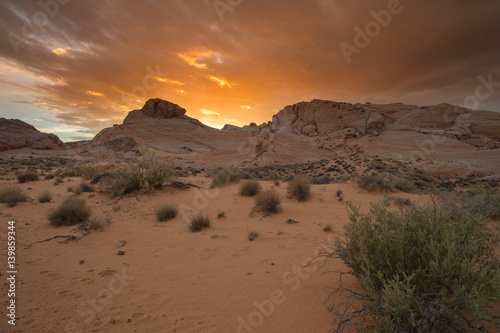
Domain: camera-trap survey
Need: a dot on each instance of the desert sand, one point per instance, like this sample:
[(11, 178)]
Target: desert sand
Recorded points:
[(170, 279)]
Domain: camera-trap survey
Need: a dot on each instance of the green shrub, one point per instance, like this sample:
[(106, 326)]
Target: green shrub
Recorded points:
[(375, 183), (166, 212), (27, 176), (419, 270), (250, 188), (155, 171), (300, 188), (12, 195), (147, 174), (268, 201), (198, 222), (70, 211), (44, 197), (225, 176)]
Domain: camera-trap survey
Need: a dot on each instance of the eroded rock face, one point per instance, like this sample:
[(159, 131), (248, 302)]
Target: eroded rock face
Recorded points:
[(320, 117), (16, 134)]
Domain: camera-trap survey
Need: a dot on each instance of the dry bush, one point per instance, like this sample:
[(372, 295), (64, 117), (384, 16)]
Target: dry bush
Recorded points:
[(198, 222), (27, 176), (44, 197), (166, 212), (224, 177), (375, 183), (300, 188), (250, 188), (71, 211), (477, 202), (11, 195), (268, 201)]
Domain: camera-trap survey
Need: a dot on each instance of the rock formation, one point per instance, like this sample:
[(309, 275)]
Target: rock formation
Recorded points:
[(16, 134)]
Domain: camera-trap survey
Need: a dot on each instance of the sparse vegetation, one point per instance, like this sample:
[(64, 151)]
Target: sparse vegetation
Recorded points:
[(328, 227), (340, 195), (250, 188), (224, 177), (402, 201), (27, 176), (478, 202), (58, 181), (221, 214), (198, 222), (421, 269), (150, 173), (11, 195), (44, 197), (96, 222), (252, 234), (300, 188), (375, 182), (85, 187), (166, 212), (71, 211), (268, 201)]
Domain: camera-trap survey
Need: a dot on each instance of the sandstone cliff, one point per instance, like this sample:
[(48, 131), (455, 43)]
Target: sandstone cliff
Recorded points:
[(16, 134)]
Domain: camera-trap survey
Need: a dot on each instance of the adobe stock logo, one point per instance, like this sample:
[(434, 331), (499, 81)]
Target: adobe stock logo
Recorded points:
[(372, 29)]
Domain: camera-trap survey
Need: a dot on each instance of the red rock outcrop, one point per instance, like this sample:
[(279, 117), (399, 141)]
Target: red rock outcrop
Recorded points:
[(16, 134)]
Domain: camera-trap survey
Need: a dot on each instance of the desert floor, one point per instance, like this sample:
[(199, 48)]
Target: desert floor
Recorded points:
[(171, 279)]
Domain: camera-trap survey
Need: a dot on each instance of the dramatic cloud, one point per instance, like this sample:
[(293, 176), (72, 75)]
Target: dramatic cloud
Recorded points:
[(85, 64)]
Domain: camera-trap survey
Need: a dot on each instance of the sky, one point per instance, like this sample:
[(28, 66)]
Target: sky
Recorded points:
[(74, 67)]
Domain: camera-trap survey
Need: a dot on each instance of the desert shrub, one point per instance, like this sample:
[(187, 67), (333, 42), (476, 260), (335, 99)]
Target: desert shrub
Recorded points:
[(198, 222), (268, 201), (147, 174), (85, 187), (402, 201), (252, 234), (225, 176), (12, 195), (375, 183), (156, 172), (80, 170), (250, 188), (44, 197), (70, 211), (125, 181), (58, 181), (27, 176), (328, 227), (419, 270), (96, 222), (402, 184), (166, 212), (221, 214), (478, 202), (300, 188), (340, 195), (49, 176)]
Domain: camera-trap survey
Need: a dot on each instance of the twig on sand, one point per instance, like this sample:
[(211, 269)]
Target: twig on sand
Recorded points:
[(68, 238)]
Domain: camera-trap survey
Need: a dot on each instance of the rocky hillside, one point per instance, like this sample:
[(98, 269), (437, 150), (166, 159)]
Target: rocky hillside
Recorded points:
[(16, 134)]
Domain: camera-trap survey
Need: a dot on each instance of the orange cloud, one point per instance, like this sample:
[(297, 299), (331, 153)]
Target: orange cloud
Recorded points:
[(170, 81), (94, 93), (220, 81), (192, 58), (60, 51)]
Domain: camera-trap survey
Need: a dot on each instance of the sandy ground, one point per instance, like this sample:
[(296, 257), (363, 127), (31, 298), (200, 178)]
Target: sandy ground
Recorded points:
[(170, 279)]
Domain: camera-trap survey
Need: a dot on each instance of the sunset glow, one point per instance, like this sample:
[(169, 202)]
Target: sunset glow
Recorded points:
[(245, 63)]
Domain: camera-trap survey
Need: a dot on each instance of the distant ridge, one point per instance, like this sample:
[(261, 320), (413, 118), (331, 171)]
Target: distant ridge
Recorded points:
[(16, 134)]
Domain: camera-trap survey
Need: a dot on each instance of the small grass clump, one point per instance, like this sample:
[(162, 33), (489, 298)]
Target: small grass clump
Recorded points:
[(375, 182), (328, 227), (96, 222), (300, 188), (221, 214), (250, 188), (58, 181), (198, 222), (166, 212), (45, 197), (27, 176), (12, 195), (252, 234), (224, 177), (340, 195), (71, 211), (268, 201)]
